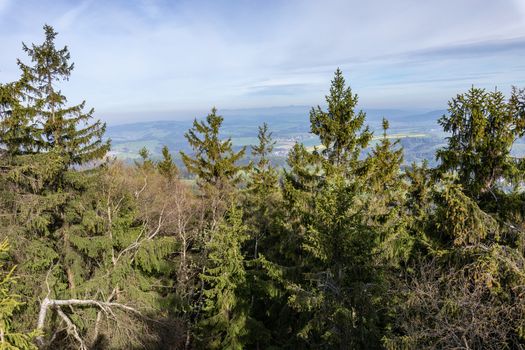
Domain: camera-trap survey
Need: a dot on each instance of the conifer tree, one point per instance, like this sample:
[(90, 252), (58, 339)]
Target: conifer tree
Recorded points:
[(385, 196), (9, 303), (331, 278), (225, 324), (214, 162), (261, 191), (483, 127), (263, 177), (67, 128), (40, 189), (145, 163), (166, 166), (16, 126), (215, 165), (341, 129)]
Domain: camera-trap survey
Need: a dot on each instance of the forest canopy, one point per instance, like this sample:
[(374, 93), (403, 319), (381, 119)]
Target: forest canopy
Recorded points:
[(346, 247)]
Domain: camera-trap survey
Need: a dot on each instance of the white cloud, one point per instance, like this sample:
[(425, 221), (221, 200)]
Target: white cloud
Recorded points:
[(64, 21), (154, 54)]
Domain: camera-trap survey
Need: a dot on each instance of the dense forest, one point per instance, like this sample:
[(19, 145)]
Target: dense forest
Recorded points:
[(340, 249)]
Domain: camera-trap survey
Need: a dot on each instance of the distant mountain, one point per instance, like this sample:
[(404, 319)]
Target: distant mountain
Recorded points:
[(289, 124)]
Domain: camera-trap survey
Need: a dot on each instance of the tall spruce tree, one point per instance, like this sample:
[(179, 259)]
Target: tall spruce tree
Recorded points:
[(341, 129), (328, 266), (261, 190), (39, 187), (225, 324), (214, 162), (483, 126), (67, 128)]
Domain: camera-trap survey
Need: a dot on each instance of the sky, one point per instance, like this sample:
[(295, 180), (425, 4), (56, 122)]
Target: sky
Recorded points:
[(145, 56)]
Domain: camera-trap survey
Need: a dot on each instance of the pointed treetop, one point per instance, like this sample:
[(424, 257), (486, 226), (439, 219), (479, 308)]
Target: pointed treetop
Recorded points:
[(166, 166), (341, 129), (68, 128), (214, 162)]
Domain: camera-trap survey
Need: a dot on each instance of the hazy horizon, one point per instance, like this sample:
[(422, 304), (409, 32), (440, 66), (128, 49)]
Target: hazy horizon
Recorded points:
[(183, 57)]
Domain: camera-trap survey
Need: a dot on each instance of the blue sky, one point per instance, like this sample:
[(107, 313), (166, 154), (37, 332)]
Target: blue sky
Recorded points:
[(159, 55)]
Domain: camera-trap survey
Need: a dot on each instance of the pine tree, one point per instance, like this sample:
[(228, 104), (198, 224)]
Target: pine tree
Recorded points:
[(340, 128)]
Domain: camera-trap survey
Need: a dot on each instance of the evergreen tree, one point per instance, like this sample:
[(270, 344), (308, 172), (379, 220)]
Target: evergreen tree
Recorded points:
[(67, 128), (9, 304), (214, 162), (39, 187), (262, 189), (215, 165), (483, 127), (16, 126), (145, 163), (385, 196), (166, 166), (341, 127), (225, 324), (263, 177), (331, 230)]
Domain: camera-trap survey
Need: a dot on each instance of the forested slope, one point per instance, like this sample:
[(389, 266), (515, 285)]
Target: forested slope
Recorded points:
[(342, 250)]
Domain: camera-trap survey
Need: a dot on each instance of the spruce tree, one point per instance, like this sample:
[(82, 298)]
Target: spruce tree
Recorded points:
[(384, 196), (263, 177), (67, 128), (262, 188), (330, 232), (39, 187), (341, 129), (215, 165), (483, 127), (19, 131), (166, 166), (145, 163), (225, 324), (9, 304), (214, 162)]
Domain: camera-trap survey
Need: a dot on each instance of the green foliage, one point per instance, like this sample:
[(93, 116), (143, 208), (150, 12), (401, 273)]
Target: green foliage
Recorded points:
[(166, 166), (224, 325), (261, 194), (483, 128), (59, 126), (344, 250), (16, 126), (146, 163), (214, 162), (340, 128), (460, 218), (9, 304)]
